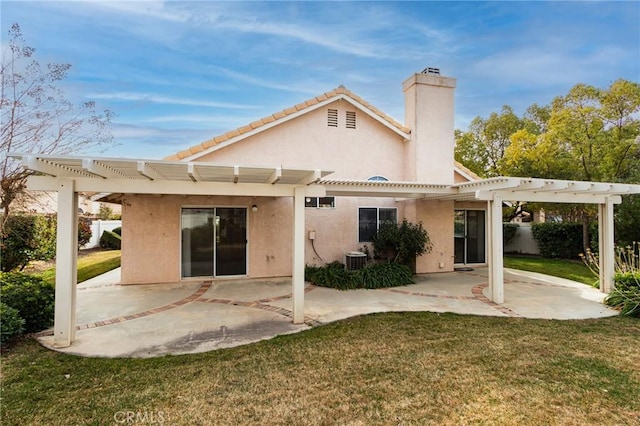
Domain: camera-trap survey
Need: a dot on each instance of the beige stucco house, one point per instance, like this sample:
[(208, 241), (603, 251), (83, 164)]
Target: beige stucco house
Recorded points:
[(336, 131), (303, 186)]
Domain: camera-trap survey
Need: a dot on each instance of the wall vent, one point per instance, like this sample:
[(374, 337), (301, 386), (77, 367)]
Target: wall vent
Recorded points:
[(332, 117), (351, 119), (430, 70)]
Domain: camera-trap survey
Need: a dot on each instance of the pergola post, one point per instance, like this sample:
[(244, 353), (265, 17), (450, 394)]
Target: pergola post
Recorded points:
[(606, 245), (66, 264), (297, 276), (496, 249)]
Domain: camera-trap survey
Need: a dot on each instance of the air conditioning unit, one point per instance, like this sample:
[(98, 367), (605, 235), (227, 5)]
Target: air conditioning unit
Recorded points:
[(355, 260)]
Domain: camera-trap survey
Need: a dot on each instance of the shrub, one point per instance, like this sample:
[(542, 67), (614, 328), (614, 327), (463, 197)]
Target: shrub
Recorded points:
[(332, 275), (19, 242), (627, 220), (509, 232), (626, 294), (45, 230), (118, 231), (31, 296), (381, 275), (401, 243), (11, 324), (558, 239), (84, 231), (33, 237), (110, 240)]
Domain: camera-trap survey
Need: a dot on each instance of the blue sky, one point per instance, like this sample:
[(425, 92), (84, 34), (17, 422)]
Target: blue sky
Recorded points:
[(178, 73)]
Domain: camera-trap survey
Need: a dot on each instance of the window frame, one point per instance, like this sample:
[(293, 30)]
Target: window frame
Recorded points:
[(378, 178), (377, 208), (317, 203)]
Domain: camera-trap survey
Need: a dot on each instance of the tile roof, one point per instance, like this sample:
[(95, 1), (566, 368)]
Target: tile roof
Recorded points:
[(341, 90), (466, 171)]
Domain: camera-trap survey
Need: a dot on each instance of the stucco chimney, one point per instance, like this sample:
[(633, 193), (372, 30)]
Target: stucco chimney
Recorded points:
[(428, 103)]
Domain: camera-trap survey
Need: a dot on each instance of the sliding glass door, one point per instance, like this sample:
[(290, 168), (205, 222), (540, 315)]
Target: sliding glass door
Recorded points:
[(231, 241), (469, 235), (214, 241)]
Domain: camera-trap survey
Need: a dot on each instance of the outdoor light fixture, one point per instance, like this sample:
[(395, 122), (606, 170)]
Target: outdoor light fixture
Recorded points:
[(254, 208)]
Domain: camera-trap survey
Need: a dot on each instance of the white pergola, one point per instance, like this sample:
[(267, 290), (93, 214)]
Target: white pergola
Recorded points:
[(70, 175), (494, 192)]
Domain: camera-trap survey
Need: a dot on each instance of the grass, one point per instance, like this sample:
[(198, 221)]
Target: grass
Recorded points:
[(392, 368), (89, 266), (570, 269)]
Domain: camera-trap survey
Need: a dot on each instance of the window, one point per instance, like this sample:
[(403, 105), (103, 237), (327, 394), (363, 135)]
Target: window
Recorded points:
[(320, 202), (351, 120), (378, 178), (370, 219), (332, 117)]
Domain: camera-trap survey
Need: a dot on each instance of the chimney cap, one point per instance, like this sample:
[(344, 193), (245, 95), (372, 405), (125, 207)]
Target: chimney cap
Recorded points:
[(431, 70)]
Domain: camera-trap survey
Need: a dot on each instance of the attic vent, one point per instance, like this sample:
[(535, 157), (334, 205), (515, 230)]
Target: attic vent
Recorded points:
[(430, 70), (351, 119), (332, 117)]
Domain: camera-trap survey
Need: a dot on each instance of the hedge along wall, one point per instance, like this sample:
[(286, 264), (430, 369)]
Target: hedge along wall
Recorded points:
[(97, 228), (562, 239)]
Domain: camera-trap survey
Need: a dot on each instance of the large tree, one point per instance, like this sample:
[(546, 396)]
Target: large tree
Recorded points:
[(482, 147), (588, 134), (38, 118)]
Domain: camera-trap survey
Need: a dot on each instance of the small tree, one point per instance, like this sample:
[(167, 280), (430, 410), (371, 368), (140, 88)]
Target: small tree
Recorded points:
[(401, 243), (36, 117), (105, 213)]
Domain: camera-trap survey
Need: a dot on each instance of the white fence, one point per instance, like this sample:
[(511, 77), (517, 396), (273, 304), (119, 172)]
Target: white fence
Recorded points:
[(97, 228), (523, 242)]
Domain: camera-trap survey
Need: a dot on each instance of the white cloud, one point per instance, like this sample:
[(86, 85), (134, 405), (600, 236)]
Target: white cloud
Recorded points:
[(168, 100), (149, 9), (541, 65)]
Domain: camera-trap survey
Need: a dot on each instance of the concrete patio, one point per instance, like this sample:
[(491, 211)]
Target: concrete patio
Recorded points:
[(160, 319)]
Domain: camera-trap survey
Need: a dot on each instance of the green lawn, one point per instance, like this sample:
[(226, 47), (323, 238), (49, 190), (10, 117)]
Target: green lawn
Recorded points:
[(570, 269), (392, 368), (90, 265)]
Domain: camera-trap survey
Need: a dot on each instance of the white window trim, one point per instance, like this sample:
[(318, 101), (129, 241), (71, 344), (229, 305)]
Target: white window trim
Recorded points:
[(377, 218), (318, 206)]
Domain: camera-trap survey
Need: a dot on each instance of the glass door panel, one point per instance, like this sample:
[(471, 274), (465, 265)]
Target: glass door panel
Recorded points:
[(460, 231), (469, 236), (475, 236), (231, 241), (197, 242)]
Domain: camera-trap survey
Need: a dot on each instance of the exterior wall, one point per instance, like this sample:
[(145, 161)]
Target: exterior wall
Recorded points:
[(437, 219), (429, 106), (307, 142), (151, 230), (337, 229)]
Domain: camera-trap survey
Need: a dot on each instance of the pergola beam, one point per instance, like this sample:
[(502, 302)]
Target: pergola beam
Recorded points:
[(275, 176), (193, 173), (98, 169), (169, 187), (547, 197), (145, 170)]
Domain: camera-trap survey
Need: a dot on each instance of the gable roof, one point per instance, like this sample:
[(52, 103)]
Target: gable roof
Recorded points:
[(465, 172), (287, 114)]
